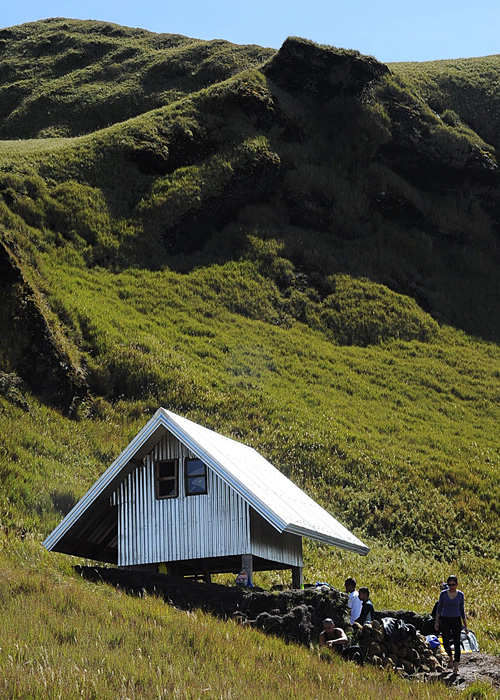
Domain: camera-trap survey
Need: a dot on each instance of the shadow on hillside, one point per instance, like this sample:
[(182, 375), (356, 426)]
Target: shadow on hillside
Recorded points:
[(63, 501)]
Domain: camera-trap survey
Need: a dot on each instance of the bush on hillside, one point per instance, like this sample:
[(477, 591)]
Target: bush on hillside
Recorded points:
[(360, 312)]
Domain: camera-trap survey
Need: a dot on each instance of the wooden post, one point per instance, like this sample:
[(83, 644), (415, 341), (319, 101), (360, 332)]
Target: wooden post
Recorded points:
[(207, 576), (297, 577), (247, 564)]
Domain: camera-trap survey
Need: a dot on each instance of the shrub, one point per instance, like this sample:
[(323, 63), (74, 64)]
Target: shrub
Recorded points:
[(360, 312), (451, 118)]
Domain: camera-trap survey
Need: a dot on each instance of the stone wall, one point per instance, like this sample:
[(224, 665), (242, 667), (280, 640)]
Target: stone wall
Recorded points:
[(406, 651)]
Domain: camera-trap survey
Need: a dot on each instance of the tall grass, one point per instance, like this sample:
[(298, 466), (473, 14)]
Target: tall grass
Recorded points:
[(63, 637)]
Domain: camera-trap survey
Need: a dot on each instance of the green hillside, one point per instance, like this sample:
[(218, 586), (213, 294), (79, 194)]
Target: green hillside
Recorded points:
[(464, 92), (298, 249), (66, 78)]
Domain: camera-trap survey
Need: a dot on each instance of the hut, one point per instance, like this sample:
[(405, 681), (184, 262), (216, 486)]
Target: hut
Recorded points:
[(185, 500)]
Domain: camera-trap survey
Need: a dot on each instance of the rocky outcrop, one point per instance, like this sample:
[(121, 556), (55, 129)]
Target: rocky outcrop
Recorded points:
[(29, 348), (301, 66)]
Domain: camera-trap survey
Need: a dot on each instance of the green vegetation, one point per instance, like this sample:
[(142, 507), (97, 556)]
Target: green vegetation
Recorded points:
[(64, 77), (78, 640), (464, 92), (310, 266)]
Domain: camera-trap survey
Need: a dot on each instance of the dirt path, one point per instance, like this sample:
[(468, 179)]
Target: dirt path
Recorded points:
[(476, 666)]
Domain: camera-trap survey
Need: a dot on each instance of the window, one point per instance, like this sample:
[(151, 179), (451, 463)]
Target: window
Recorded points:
[(196, 477), (166, 479)]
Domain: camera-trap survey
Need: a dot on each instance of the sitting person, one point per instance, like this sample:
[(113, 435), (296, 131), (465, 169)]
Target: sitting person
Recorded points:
[(367, 610), (335, 638), (354, 603)]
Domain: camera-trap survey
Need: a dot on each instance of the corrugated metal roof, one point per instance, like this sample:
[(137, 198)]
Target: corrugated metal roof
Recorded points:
[(277, 499)]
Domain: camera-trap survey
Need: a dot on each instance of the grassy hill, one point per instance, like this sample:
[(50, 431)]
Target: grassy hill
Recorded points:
[(65, 78), (296, 248), (463, 91)]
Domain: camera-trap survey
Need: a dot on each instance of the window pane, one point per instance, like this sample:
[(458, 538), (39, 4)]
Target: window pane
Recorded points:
[(196, 476), (195, 467), (167, 488), (166, 479), (197, 485), (166, 469)]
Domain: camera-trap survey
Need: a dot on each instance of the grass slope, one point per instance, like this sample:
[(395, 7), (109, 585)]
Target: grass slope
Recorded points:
[(79, 640), (68, 77), (304, 260), (463, 91)]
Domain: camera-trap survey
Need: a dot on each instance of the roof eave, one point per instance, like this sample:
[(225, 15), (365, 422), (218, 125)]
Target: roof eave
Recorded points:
[(358, 547)]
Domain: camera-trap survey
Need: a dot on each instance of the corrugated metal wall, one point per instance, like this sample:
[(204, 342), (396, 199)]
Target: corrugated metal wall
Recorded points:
[(154, 530), (268, 543)]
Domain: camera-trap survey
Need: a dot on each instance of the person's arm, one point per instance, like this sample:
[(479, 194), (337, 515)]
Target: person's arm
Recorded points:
[(340, 638), (322, 639), (462, 611), (438, 611)]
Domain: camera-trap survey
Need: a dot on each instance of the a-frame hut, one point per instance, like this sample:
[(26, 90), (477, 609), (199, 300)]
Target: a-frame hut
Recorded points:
[(186, 500)]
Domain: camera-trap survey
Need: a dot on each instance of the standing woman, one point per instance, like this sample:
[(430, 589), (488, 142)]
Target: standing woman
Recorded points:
[(450, 613)]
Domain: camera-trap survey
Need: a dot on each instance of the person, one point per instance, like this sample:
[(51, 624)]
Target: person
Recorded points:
[(335, 638), (428, 623), (443, 587), (354, 604), (449, 615), (332, 636), (367, 610)]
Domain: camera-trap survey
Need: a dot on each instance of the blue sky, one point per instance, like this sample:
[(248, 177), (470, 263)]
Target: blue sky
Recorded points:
[(390, 30)]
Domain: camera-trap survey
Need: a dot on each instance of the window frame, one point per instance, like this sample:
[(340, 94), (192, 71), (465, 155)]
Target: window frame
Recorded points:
[(159, 479), (188, 477)]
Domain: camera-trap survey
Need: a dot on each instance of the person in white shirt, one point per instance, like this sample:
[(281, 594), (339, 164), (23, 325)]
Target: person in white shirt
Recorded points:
[(354, 603)]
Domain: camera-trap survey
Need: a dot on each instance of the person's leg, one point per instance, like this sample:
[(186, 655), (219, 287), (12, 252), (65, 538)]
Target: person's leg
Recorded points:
[(445, 632), (456, 630), (353, 653)]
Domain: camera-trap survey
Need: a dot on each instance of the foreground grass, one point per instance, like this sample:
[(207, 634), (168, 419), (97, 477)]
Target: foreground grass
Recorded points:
[(65, 638)]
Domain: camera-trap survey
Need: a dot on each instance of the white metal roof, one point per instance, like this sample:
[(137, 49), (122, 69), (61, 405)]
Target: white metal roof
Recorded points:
[(277, 499)]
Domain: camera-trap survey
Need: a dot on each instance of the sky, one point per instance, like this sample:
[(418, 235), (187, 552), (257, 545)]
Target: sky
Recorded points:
[(390, 30)]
